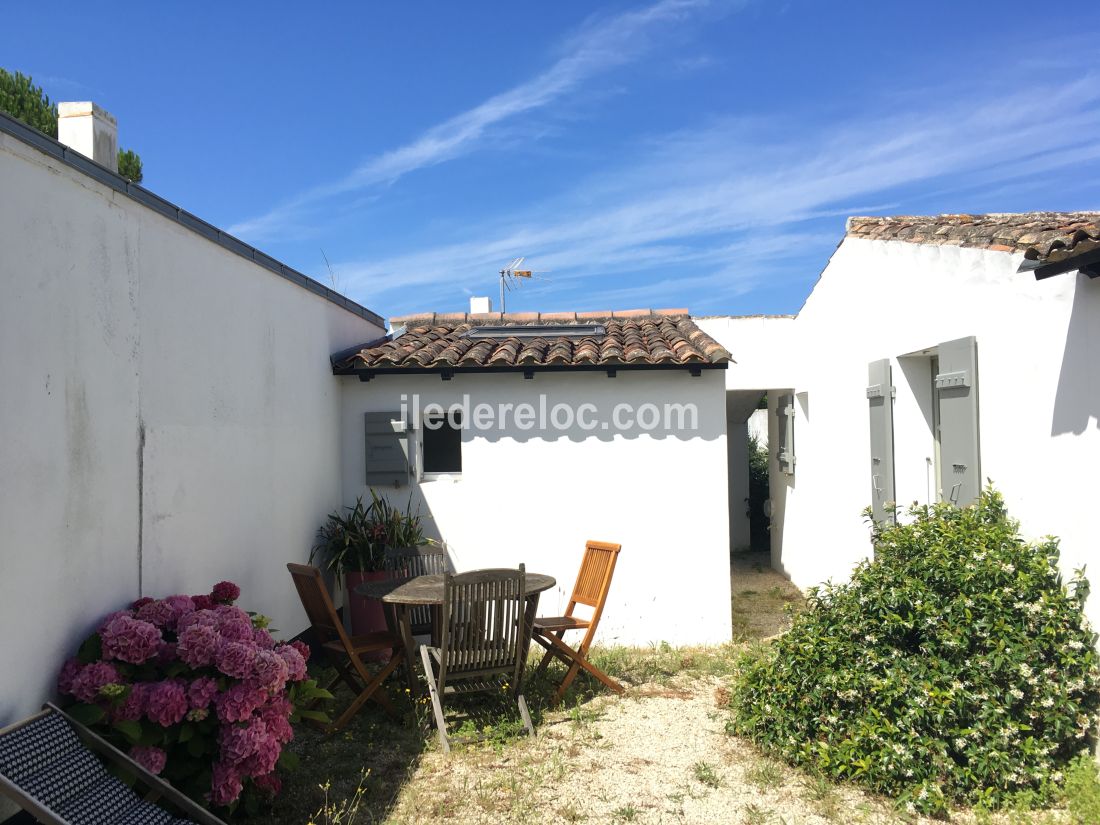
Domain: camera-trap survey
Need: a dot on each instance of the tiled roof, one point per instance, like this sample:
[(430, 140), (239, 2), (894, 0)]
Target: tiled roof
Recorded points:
[(1041, 236), (633, 338)]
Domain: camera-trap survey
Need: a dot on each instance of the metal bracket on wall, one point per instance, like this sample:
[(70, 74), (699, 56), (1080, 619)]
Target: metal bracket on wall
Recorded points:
[(947, 380), (877, 391)]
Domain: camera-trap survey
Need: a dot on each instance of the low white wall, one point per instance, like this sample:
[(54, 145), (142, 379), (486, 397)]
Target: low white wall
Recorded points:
[(536, 497), (1038, 347), (169, 417), (758, 427)]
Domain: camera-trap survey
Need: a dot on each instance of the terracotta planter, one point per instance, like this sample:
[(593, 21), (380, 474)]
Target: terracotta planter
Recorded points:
[(365, 615)]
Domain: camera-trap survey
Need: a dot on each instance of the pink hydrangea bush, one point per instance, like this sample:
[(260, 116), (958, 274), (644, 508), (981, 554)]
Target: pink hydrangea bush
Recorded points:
[(197, 690)]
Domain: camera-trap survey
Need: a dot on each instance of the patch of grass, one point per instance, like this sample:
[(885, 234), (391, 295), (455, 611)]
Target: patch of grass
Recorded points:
[(823, 794), (706, 774), (765, 774), (627, 813), (755, 815)]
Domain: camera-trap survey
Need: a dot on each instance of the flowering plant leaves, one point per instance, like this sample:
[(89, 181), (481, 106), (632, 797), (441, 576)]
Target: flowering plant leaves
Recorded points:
[(954, 667)]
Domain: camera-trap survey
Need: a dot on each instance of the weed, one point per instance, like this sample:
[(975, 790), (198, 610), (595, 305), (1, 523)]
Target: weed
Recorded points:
[(755, 815), (706, 774), (627, 813), (765, 774)]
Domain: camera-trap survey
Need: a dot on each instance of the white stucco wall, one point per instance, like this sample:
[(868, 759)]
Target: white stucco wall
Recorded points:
[(1038, 350), (536, 497), (168, 413)]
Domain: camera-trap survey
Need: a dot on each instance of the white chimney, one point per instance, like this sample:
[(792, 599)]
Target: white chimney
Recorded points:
[(480, 305), (89, 130)]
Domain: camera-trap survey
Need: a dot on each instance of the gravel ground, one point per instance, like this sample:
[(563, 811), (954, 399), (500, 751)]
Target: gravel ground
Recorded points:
[(660, 754)]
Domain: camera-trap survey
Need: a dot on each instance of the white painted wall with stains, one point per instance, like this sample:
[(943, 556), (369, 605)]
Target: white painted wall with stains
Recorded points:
[(168, 417)]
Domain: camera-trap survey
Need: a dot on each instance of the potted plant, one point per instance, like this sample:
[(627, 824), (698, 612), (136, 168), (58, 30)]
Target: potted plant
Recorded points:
[(354, 546), (351, 543)]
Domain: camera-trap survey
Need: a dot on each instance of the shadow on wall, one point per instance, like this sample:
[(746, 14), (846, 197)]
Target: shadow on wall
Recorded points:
[(1078, 397), (571, 420)]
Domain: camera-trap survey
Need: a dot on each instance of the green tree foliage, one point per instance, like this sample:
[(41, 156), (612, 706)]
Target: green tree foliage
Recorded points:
[(129, 165), (953, 668), (21, 99)]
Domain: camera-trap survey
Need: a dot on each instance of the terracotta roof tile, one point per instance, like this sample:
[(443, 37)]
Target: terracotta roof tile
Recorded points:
[(1041, 236), (434, 341)]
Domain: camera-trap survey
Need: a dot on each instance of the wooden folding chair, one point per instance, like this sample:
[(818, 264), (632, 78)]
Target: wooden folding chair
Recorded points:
[(409, 563), (345, 651), (50, 766), (593, 582), (482, 641)]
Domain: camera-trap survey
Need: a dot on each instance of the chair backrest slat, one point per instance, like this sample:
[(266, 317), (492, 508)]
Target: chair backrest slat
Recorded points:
[(317, 603), (416, 561), (483, 623), (594, 578)]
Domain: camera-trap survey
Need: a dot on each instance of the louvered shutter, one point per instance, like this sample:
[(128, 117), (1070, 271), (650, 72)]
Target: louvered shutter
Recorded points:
[(387, 441), (957, 394), (785, 453), (880, 400)]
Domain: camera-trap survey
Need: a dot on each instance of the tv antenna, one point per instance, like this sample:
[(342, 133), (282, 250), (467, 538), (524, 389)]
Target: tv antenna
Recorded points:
[(509, 278)]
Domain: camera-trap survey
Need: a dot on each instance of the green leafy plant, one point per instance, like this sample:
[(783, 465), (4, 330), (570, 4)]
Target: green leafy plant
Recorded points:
[(356, 538), (953, 668)]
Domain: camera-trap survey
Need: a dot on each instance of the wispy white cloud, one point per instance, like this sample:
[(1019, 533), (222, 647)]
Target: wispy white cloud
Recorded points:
[(602, 44), (716, 203)]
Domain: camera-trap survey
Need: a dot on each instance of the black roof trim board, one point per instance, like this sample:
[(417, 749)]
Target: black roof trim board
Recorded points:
[(70, 157), (1087, 262), (366, 374)]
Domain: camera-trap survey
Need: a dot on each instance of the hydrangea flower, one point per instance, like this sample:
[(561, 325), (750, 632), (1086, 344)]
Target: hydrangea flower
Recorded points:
[(225, 784), (237, 703), (130, 640), (225, 592), (197, 645), (270, 784), (68, 672), (262, 638), (166, 703), (203, 602), (235, 659), (201, 692), (132, 707), (87, 683), (296, 665), (151, 758), (270, 671)]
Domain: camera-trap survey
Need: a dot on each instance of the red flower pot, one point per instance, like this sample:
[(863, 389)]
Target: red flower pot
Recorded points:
[(366, 614)]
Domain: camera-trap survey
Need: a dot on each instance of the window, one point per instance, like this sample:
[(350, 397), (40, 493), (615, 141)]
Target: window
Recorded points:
[(441, 444)]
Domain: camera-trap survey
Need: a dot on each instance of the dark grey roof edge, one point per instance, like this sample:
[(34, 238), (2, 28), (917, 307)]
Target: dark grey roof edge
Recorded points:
[(75, 160)]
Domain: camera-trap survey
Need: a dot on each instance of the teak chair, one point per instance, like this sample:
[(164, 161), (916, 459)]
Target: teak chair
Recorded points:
[(50, 766), (417, 561), (345, 651), (482, 639), (593, 583)]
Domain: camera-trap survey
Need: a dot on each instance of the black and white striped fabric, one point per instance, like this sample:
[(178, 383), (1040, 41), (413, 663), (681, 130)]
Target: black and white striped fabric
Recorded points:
[(46, 760)]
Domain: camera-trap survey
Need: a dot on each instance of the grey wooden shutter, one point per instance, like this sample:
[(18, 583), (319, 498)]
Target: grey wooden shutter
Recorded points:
[(880, 398), (957, 395), (387, 441), (785, 453)]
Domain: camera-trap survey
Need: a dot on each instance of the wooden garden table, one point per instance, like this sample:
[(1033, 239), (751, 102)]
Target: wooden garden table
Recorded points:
[(403, 594)]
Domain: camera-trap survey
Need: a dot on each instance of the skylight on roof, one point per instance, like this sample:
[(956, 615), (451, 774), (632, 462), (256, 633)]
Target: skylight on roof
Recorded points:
[(538, 331)]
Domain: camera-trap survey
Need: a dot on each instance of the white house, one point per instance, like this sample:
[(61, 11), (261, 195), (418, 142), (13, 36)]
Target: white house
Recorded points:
[(924, 362), (179, 408), (565, 427)]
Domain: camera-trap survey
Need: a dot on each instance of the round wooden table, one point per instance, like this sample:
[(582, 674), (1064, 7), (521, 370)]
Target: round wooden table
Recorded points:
[(403, 594)]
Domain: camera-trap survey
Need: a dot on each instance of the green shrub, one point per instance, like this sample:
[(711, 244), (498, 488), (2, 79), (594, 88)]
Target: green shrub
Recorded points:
[(1083, 790), (954, 667)]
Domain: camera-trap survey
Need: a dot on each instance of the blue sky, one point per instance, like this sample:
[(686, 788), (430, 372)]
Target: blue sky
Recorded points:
[(678, 153)]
